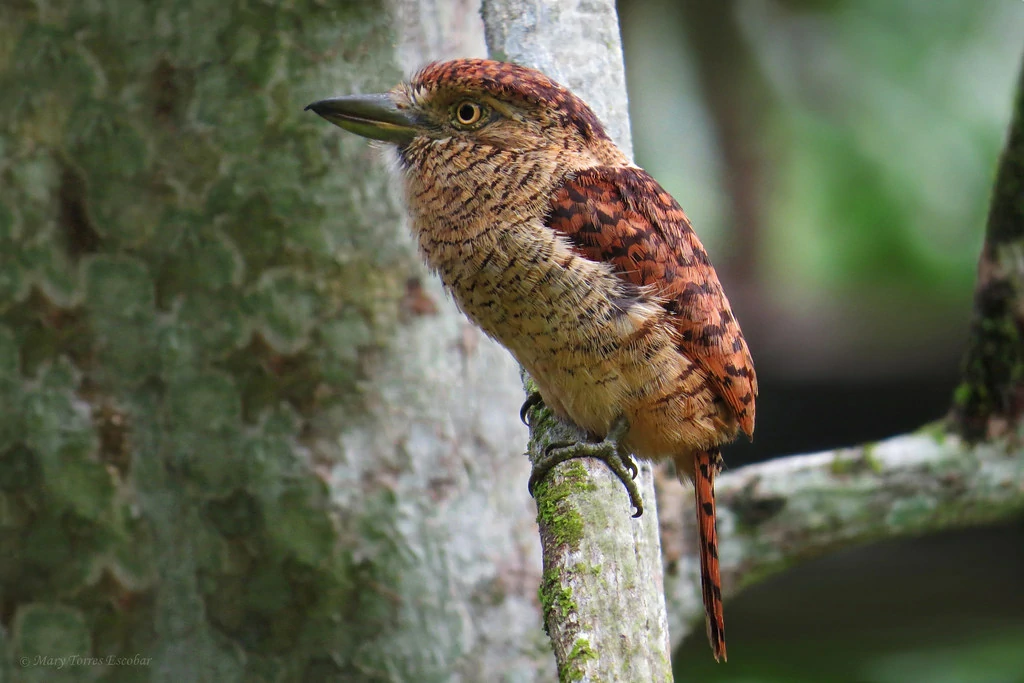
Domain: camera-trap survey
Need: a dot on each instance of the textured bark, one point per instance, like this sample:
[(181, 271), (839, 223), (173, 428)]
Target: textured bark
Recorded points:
[(989, 402), (242, 433), (602, 591)]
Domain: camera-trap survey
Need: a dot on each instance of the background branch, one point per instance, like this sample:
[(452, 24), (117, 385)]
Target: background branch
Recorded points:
[(776, 514)]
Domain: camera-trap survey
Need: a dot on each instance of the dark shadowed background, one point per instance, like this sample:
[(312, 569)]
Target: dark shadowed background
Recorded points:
[(835, 156)]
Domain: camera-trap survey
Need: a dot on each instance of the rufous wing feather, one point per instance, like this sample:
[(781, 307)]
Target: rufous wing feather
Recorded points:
[(623, 217)]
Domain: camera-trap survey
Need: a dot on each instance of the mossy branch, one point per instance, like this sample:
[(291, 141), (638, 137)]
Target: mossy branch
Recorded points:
[(601, 593), (774, 515)]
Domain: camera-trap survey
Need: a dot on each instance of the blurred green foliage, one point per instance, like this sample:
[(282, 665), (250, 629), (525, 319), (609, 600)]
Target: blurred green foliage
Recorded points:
[(893, 116), (877, 138)]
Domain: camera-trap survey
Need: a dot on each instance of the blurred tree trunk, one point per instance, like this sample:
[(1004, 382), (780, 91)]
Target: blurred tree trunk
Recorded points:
[(737, 98), (242, 436)]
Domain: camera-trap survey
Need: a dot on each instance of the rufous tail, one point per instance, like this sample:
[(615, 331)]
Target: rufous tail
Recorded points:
[(706, 465)]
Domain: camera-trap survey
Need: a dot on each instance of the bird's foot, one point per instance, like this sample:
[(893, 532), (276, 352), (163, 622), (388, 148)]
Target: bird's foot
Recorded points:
[(532, 401), (608, 451)]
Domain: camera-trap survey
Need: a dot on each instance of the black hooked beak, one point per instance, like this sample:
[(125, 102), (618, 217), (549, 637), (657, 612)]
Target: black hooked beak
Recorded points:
[(372, 116)]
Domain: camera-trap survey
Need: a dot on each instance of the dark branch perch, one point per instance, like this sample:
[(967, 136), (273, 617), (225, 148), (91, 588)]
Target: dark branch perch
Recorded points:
[(990, 400)]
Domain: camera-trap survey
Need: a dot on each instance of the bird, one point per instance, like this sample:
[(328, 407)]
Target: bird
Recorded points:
[(579, 263)]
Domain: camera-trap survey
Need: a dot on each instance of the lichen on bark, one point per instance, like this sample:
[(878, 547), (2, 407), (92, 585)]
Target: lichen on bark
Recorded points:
[(204, 344)]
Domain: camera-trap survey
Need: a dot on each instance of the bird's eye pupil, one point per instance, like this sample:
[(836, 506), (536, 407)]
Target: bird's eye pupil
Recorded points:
[(468, 113)]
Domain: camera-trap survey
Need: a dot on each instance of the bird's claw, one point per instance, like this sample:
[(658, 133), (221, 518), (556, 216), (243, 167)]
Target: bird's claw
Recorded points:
[(558, 446), (532, 401), (631, 466), (608, 451), (548, 460)]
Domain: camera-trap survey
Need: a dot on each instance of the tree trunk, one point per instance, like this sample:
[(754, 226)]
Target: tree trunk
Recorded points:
[(243, 435)]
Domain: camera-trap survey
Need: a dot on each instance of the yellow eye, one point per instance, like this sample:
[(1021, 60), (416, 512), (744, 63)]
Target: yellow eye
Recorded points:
[(468, 113)]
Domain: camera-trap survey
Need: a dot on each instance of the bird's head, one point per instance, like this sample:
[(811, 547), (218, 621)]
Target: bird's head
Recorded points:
[(471, 103)]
